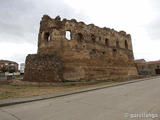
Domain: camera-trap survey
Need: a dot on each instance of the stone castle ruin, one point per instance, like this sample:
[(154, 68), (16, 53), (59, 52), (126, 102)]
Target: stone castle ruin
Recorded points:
[(73, 51)]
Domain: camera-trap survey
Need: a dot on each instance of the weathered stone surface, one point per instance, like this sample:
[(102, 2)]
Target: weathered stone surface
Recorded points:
[(43, 68), (92, 53)]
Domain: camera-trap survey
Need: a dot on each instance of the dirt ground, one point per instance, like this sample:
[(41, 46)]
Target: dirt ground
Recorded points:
[(14, 91)]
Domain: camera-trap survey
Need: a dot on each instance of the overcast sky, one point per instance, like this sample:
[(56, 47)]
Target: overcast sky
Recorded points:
[(19, 23)]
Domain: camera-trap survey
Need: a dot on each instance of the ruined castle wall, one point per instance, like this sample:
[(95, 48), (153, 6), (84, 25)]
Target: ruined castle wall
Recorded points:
[(92, 53), (82, 35), (43, 68)]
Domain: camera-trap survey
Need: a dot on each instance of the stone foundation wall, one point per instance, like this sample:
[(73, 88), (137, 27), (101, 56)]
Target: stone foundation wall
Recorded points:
[(43, 68)]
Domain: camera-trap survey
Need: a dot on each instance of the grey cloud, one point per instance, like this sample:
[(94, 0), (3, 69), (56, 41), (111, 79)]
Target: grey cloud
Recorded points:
[(153, 28), (20, 18)]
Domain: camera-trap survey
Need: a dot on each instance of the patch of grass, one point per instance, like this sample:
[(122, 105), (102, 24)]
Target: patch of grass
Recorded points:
[(13, 91), (7, 94)]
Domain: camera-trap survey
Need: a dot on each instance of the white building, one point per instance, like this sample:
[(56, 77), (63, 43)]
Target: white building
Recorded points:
[(22, 66)]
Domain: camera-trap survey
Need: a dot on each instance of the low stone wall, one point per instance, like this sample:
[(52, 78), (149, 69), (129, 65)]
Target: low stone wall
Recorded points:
[(43, 68)]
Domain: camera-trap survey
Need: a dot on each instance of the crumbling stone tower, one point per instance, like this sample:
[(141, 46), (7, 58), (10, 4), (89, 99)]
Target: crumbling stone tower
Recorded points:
[(71, 50)]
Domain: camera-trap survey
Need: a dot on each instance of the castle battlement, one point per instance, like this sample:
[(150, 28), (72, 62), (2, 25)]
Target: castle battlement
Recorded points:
[(55, 30)]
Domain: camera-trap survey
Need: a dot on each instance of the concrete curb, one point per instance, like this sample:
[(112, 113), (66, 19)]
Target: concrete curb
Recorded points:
[(7, 102)]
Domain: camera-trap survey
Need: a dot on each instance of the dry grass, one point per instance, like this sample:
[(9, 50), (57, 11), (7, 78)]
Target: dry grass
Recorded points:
[(13, 91)]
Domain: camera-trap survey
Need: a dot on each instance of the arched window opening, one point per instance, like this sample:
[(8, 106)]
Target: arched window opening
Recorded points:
[(117, 44), (106, 42), (93, 38), (79, 37), (68, 35), (126, 44), (47, 36)]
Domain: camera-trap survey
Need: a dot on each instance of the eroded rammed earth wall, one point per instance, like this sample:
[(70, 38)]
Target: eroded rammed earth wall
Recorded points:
[(92, 53)]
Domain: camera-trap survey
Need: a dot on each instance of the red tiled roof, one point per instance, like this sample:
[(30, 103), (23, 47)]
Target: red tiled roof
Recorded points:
[(148, 63), (7, 61)]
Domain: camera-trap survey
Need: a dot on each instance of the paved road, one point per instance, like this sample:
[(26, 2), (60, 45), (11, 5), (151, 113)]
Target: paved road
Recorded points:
[(104, 104)]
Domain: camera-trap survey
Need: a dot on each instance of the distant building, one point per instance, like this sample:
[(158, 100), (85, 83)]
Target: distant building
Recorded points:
[(140, 60), (148, 68), (8, 66), (22, 66)]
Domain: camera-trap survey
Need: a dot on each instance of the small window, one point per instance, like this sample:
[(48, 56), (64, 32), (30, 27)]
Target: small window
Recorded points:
[(12, 64), (68, 35), (93, 51), (106, 42), (126, 44), (114, 50), (93, 38), (79, 37), (47, 36)]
